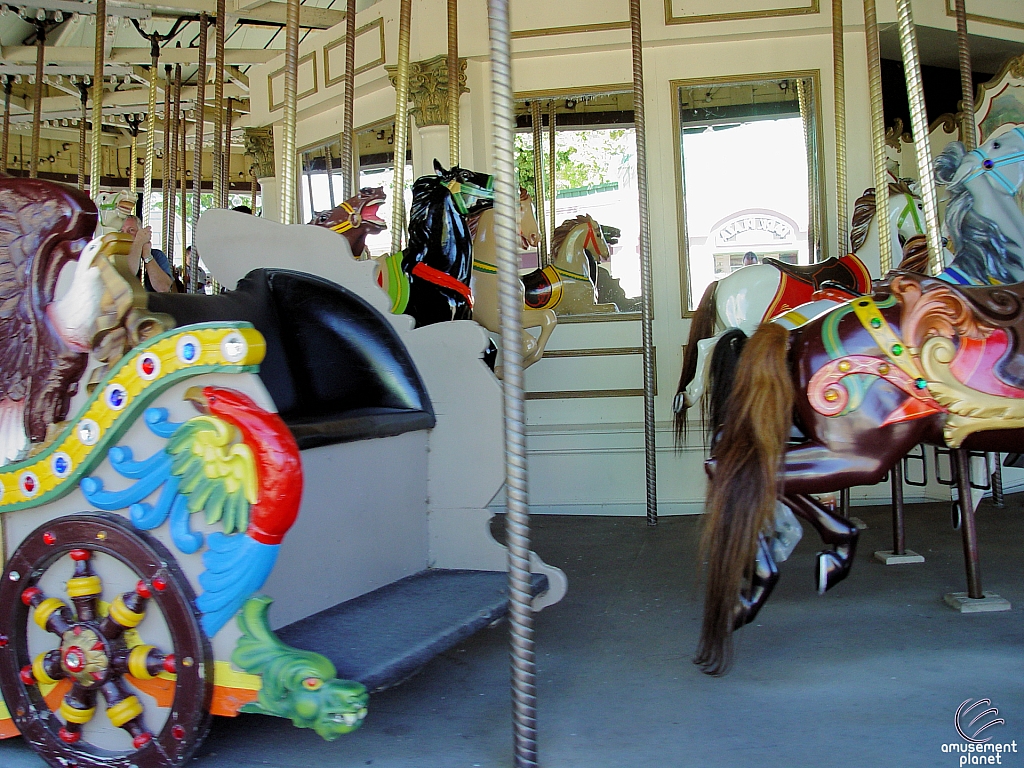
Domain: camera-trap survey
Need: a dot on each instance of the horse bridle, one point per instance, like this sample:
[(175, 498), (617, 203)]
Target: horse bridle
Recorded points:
[(457, 188), (988, 165), (354, 220)]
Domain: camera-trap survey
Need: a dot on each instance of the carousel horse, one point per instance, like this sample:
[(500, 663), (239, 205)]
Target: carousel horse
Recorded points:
[(114, 208), (906, 219), (567, 283), (485, 279), (355, 219), (438, 257), (837, 400)]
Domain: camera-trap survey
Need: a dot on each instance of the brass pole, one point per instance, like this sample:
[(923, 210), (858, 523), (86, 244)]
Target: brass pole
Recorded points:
[(5, 137), (289, 170), (401, 126), (96, 166), (147, 179), (165, 169), (453, 82), (552, 163), (218, 106), (171, 176), (37, 101), (197, 151), (510, 296), (839, 73), (82, 131), (812, 198), (226, 156), (349, 175), (183, 182), (878, 138), (133, 182), (966, 80), (255, 189), (919, 121), (538, 180)]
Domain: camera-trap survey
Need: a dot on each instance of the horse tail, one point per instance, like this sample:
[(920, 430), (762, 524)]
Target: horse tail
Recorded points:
[(744, 485), (721, 377), (702, 326), (915, 255)]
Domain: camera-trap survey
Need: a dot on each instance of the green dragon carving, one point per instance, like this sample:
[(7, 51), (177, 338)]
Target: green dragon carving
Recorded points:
[(299, 685)]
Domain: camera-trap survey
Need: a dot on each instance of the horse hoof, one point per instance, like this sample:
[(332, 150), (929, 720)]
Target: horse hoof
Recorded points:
[(679, 403), (831, 569), (955, 518)]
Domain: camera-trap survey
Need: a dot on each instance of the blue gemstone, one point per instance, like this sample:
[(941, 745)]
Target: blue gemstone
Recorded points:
[(189, 351), (988, 164), (61, 465), (921, 383), (116, 398)]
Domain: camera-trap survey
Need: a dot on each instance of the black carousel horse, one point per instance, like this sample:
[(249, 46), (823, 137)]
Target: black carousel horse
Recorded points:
[(439, 256)]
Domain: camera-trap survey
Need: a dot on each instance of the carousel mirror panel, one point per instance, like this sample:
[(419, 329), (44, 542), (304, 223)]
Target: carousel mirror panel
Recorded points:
[(584, 260), (750, 174), (321, 187)]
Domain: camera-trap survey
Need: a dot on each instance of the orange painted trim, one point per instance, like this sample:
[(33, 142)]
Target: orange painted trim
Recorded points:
[(773, 308), (8, 730), (160, 689), (227, 702)]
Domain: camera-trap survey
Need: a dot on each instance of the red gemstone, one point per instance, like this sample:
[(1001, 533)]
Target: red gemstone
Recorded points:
[(177, 732), (170, 664), (26, 676), (148, 366), (80, 554), (159, 583), (30, 484), (49, 538), (141, 740), (3, 641), (142, 590), (29, 594), (68, 737)]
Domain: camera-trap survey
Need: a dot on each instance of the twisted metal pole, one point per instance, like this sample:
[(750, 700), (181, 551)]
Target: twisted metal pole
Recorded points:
[(197, 152), (183, 188), (919, 121), (171, 169), (37, 100), (401, 126), (812, 197), (453, 82), (133, 183), (538, 180), (552, 164), (349, 174), (165, 169), (966, 80), (147, 179), (646, 283), (289, 175), (83, 128), (517, 518), (226, 157), (839, 73), (878, 137), (96, 166), (218, 104), (5, 137)]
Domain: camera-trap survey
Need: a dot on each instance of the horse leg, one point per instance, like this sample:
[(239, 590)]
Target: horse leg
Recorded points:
[(690, 396), (546, 322), (763, 579), (833, 564)]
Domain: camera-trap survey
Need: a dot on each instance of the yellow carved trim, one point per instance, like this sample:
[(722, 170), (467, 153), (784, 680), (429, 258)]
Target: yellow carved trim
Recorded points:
[(79, 716), (123, 615), (124, 711), (226, 677), (45, 610), (137, 662), (39, 671), (884, 336), (84, 586)]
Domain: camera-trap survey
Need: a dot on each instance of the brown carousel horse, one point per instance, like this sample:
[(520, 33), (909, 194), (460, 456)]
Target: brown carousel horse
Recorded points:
[(355, 219), (837, 402)]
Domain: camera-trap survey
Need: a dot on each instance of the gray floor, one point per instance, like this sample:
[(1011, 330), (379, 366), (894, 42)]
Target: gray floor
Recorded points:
[(870, 674)]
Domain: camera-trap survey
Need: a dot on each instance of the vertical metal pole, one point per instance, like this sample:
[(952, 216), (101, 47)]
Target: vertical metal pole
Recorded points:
[(96, 166), (183, 181), (839, 73), (552, 163), (289, 174), (330, 174), (82, 129), (453, 82), (171, 174), (165, 169), (899, 536), (647, 287), (517, 519), (962, 469), (226, 157), (37, 101), (401, 126), (255, 189), (812, 198), (349, 176), (197, 152), (133, 182), (218, 106), (5, 137), (966, 80), (147, 180), (538, 181), (919, 121), (997, 480), (878, 137)]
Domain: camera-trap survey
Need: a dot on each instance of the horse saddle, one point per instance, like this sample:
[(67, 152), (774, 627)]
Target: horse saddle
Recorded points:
[(846, 271)]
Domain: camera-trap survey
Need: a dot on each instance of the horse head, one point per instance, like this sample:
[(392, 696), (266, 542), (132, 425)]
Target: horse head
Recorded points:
[(529, 231), (114, 208), (999, 162), (471, 191), (356, 218)]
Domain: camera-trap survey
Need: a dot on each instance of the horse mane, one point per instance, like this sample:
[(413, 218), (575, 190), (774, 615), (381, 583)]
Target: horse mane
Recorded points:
[(982, 250), (562, 231), (915, 255), (865, 207)]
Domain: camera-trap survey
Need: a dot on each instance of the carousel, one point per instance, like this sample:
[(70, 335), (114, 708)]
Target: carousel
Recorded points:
[(310, 312)]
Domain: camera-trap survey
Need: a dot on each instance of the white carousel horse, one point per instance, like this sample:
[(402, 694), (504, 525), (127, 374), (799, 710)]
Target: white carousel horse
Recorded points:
[(760, 292), (485, 279), (114, 208), (567, 283)]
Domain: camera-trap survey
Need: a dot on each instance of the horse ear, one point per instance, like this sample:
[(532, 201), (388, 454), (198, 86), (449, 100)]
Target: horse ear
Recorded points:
[(438, 168)]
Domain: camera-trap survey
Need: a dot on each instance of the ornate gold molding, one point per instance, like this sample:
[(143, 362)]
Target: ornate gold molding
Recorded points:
[(428, 89), (259, 143), (808, 7)]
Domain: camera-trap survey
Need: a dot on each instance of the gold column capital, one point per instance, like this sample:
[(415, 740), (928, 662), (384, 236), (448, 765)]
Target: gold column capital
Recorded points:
[(259, 143), (428, 89)]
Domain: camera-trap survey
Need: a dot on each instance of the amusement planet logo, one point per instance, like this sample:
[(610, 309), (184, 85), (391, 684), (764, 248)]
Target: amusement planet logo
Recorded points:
[(972, 720)]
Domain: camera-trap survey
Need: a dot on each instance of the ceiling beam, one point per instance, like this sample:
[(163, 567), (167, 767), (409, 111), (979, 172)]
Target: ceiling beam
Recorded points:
[(70, 55), (270, 12)]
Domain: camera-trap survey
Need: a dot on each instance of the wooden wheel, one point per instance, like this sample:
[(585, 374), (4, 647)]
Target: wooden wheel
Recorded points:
[(94, 655)]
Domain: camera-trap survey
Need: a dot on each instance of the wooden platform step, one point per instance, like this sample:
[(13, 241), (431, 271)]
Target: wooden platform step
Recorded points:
[(384, 636)]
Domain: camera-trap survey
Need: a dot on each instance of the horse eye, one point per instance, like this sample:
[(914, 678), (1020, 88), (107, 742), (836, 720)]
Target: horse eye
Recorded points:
[(995, 145)]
